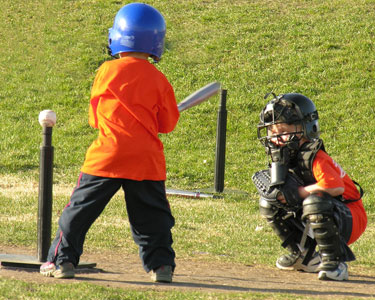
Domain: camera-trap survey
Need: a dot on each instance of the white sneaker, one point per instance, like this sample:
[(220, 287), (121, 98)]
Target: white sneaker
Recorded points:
[(341, 273), (162, 274), (294, 261)]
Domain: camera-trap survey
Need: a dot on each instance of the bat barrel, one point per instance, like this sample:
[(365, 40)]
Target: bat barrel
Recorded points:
[(199, 96), (45, 194), (221, 143)]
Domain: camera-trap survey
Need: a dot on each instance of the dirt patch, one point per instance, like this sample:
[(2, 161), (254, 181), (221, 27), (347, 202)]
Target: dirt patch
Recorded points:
[(124, 271)]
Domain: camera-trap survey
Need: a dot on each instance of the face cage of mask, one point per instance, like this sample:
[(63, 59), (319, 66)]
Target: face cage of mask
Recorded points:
[(283, 139), (277, 151)]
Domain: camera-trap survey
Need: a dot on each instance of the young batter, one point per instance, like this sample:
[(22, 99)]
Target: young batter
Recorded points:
[(131, 103)]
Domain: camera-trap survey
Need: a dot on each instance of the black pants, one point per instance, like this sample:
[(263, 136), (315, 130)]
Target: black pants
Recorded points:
[(149, 215)]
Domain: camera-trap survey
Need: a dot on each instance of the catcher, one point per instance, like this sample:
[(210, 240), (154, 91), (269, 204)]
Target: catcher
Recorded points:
[(305, 196)]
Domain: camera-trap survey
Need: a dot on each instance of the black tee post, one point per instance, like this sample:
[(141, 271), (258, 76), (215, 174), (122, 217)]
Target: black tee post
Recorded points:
[(220, 143), (45, 192)]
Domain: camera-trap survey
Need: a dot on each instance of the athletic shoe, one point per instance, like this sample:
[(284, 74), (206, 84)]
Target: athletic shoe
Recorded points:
[(47, 269), (65, 270), (162, 274), (340, 273), (293, 261)]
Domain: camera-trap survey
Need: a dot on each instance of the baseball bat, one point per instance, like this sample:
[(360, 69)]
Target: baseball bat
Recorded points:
[(199, 96)]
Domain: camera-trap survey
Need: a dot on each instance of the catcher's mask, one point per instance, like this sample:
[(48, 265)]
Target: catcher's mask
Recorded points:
[(282, 146)]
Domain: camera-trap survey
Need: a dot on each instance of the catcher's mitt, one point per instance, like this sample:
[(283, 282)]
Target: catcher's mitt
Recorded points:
[(262, 180), (289, 190)]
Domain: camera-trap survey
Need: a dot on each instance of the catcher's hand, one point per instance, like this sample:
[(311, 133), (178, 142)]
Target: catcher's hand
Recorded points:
[(287, 191)]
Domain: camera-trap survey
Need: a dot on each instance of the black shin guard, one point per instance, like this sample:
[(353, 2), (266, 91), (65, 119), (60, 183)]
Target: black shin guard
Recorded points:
[(318, 210), (328, 239)]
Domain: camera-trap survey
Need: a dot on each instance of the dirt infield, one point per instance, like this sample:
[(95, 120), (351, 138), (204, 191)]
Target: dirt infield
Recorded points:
[(114, 270)]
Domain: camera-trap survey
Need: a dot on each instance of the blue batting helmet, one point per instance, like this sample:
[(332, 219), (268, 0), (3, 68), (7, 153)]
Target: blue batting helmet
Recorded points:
[(138, 27)]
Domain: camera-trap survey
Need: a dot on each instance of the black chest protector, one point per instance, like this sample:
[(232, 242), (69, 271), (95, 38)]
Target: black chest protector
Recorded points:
[(305, 159)]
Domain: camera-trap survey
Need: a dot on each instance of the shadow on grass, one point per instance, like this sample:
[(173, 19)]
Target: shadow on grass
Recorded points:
[(338, 289)]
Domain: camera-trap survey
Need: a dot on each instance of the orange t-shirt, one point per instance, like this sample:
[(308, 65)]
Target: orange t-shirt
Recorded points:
[(329, 174), (131, 103)]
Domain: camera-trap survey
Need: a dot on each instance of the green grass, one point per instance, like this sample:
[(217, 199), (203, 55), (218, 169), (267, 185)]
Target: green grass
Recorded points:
[(83, 291), (50, 51)]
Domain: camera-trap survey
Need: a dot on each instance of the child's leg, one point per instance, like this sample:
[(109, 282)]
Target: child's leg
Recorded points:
[(88, 200), (151, 221)]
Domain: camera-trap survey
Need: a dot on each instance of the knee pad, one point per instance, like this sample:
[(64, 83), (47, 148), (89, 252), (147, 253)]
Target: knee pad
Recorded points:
[(317, 204)]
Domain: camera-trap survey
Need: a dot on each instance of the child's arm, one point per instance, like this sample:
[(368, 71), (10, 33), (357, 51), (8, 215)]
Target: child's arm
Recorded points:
[(328, 177), (168, 114), (307, 190)]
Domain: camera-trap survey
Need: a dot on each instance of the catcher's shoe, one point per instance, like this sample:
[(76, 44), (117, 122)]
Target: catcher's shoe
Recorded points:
[(293, 261), (65, 270), (162, 274), (340, 273)]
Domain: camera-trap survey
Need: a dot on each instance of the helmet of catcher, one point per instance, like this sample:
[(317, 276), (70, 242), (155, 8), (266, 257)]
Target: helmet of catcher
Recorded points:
[(138, 27), (291, 108)]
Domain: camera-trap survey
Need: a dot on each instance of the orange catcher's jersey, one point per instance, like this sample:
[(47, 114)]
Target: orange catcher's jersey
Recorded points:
[(131, 103), (329, 174)]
